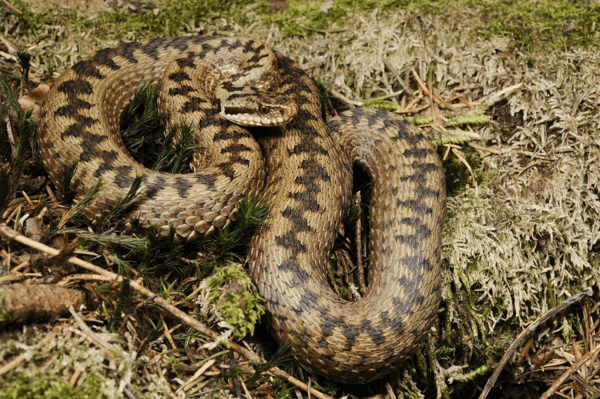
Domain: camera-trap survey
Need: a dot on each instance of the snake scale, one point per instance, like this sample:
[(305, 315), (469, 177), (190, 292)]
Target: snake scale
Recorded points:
[(300, 166)]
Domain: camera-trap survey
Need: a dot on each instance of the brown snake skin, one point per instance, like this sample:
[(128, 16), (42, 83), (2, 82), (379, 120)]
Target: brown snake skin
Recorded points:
[(301, 167)]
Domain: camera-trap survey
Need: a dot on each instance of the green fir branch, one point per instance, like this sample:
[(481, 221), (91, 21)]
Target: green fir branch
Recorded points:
[(132, 196), (81, 204)]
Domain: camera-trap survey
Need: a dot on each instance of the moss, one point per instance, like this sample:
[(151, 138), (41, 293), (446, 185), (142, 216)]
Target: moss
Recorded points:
[(531, 24), (51, 387), (468, 120), (547, 22), (234, 294)]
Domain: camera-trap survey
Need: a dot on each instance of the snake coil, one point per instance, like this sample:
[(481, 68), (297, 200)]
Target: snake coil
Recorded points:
[(298, 165)]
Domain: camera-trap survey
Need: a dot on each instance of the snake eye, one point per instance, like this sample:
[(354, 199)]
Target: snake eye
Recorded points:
[(264, 109)]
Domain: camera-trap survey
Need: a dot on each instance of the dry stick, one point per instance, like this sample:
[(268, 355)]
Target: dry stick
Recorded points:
[(394, 71), (577, 100), (345, 99), (162, 304), (568, 373), (359, 260), (25, 302), (462, 159), (11, 7), (196, 377), (430, 91), (86, 329), (531, 328), (531, 165)]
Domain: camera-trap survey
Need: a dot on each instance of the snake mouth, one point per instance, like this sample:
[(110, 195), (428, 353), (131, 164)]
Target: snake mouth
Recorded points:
[(249, 117), (257, 108), (259, 115)]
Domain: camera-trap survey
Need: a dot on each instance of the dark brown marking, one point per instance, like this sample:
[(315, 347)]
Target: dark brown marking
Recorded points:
[(107, 157), (75, 87), (289, 241), (183, 186), (178, 77)]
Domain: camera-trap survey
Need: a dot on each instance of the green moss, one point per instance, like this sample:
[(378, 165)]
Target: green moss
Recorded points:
[(174, 17), (51, 387), (415, 120), (242, 307), (31, 21), (382, 104), (303, 17), (545, 22), (532, 24)]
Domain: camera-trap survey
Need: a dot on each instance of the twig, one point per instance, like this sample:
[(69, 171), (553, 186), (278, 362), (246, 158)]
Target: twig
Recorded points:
[(26, 302), (194, 379), (531, 165), (462, 159), (430, 91), (531, 328), (11, 7), (493, 98), (161, 304), (568, 373), (92, 339), (393, 70), (390, 391), (359, 261), (577, 100), (345, 99), (486, 149), (86, 329)]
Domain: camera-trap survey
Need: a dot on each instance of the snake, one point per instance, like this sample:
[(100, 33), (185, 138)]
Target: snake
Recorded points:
[(260, 133)]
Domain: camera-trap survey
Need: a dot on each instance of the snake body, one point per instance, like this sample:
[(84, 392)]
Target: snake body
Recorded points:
[(300, 167)]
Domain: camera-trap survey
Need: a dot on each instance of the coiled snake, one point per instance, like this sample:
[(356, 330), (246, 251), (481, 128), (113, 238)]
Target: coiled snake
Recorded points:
[(302, 169)]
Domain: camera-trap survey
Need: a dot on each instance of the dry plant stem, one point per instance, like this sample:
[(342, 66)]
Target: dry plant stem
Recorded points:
[(11, 7), (161, 303), (331, 276), (196, 377), (17, 361), (462, 159), (531, 165), (345, 99), (485, 149), (84, 327), (531, 328), (568, 373), (359, 260), (577, 100), (394, 71), (390, 391)]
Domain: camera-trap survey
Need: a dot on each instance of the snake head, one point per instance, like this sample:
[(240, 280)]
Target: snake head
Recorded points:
[(258, 109)]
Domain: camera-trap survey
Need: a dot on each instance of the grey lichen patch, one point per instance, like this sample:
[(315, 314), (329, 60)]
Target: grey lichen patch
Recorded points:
[(106, 372)]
